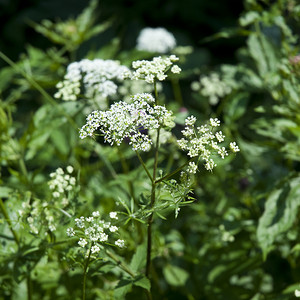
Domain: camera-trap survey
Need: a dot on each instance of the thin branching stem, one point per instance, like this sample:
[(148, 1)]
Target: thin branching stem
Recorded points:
[(29, 286), (119, 263), (144, 166), (152, 201), (85, 273)]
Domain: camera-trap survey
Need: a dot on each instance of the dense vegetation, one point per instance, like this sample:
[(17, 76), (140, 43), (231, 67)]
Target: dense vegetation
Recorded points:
[(116, 180)]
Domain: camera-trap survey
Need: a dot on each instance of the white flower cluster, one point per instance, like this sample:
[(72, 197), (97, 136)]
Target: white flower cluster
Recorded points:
[(61, 184), (97, 77), (92, 231), (155, 69), (129, 121), (212, 86), (155, 40), (203, 142), (43, 216)]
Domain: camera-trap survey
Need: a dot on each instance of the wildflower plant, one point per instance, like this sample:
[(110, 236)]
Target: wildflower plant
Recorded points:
[(157, 208), (131, 123)]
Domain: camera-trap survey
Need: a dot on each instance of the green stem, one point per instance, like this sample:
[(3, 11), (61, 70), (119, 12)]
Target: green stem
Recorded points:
[(144, 166), (126, 171), (6, 217), (150, 219), (155, 93), (119, 263), (85, 273), (177, 91), (29, 286)]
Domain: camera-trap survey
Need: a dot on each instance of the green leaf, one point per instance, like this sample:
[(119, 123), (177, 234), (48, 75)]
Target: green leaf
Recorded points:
[(257, 53), (124, 286), (249, 18), (281, 209), (142, 282), (291, 91), (175, 275), (236, 108), (139, 258)]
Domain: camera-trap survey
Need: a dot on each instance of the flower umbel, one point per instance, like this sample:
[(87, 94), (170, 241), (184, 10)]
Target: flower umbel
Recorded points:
[(213, 87), (96, 77), (44, 216), (156, 40), (203, 142), (128, 121), (95, 232), (155, 69)]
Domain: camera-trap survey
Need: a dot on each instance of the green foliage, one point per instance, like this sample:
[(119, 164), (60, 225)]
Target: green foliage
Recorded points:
[(232, 233)]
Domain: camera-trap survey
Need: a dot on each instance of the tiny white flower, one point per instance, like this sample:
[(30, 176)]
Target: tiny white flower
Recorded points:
[(214, 122), (192, 168), (96, 214), (234, 147), (297, 293), (175, 69), (120, 243), (95, 249), (70, 232), (82, 242), (210, 164), (113, 228), (56, 194), (113, 215), (223, 152), (103, 237)]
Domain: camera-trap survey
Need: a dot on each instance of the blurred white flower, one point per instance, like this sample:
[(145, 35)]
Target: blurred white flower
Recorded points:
[(155, 40), (94, 77)]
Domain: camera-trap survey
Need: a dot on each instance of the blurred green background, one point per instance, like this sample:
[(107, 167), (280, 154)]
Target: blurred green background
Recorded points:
[(190, 21)]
